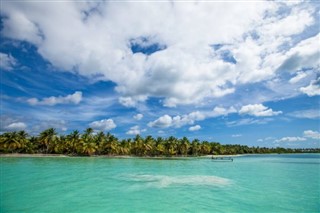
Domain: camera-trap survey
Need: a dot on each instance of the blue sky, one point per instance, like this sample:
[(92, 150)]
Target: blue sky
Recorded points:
[(232, 72)]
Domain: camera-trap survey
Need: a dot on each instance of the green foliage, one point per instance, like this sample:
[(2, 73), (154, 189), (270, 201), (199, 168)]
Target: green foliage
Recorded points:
[(89, 143)]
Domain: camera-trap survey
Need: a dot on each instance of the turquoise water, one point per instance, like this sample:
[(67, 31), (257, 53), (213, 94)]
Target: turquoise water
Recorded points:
[(260, 183)]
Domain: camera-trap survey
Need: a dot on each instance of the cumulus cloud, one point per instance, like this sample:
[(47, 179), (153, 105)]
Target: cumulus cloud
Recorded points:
[(7, 61), (103, 125), (16, 126), (258, 110), (312, 134), (194, 128), (186, 68), (74, 98), (218, 111), (178, 121), (290, 139), (312, 89), (162, 122), (189, 119), (138, 116), (135, 130)]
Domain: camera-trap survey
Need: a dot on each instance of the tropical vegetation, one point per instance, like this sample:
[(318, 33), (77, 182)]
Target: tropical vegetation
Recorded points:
[(91, 143)]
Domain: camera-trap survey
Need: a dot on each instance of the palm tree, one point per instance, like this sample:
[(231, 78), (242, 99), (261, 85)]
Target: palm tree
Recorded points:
[(46, 138), (159, 146), (125, 147), (171, 146), (138, 145), (10, 142), (148, 145), (31, 145), (73, 140), (87, 135), (184, 145), (59, 145), (100, 140), (205, 148), (89, 144), (112, 145), (195, 147), (89, 148), (26, 146)]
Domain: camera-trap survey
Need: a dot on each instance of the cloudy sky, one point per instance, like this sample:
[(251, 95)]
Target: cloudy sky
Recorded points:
[(244, 72)]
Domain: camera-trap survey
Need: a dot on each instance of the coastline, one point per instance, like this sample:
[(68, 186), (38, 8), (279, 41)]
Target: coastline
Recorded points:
[(21, 155), (31, 155)]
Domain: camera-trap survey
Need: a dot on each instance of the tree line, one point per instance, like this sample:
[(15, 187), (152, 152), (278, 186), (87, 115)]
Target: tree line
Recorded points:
[(89, 143)]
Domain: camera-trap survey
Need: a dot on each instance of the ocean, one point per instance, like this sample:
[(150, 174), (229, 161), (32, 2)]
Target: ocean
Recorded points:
[(252, 183)]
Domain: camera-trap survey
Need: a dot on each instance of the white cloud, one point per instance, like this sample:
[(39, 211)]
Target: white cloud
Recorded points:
[(236, 135), (127, 101), (312, 89), (74, 98), (304, 54), (188, 70), (312, 134), (138, 116), (300, 75), (103, 125), (290, 139), (132, 101), (162, 122), (259, 36), (194, 128), (7, 61), (265, 139), (16, 126), (248, 121), (19, 25), (218, 92), (309, 113), (135, 130), (284, 26), (258, 110), (306, 134), (178, 121), (218, 111)]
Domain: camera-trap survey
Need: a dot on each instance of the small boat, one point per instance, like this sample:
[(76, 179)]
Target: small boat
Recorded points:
[(222, 158)]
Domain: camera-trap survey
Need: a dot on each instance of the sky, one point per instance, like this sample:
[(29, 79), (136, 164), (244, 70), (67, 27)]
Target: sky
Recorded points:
[(234, 72)]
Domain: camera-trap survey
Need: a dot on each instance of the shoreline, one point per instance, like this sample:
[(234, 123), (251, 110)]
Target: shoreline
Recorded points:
[(110, 156), (22, 155)]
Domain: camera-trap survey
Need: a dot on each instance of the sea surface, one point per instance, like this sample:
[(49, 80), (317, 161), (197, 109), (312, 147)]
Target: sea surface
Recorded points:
[(255, 183)]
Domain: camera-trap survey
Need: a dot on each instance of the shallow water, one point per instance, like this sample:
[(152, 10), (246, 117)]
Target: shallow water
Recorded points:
[(258, 183)]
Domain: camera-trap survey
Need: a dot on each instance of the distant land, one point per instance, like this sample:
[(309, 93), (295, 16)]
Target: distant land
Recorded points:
[(90, 143)]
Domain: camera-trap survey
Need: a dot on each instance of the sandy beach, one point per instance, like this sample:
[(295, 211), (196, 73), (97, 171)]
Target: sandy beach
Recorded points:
[(111, 156), (32, 155)]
